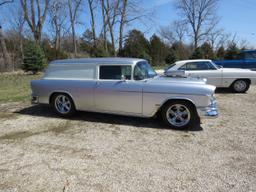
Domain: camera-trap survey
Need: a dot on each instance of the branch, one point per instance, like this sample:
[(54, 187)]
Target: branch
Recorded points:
[(7, 1)]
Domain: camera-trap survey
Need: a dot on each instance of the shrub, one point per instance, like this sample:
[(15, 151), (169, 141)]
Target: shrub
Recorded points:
[(34, 59)]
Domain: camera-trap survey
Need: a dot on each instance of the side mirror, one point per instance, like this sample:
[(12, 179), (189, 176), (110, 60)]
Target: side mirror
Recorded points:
[(220, 66), (176, 73)]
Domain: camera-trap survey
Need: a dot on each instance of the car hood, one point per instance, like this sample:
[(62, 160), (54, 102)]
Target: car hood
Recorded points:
[(187, 80), (170, 85)]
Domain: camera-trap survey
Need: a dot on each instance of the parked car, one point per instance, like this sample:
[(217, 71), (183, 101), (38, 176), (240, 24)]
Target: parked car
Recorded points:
[(245, 60), (123, 86), (237, 79)]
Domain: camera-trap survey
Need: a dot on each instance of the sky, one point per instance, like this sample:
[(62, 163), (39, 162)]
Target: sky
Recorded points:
[(236, 17)]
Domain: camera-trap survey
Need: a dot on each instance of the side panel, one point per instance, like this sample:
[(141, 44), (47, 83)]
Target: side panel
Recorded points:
[(155, 95), (214, 77), (152, 101), (80, 90)]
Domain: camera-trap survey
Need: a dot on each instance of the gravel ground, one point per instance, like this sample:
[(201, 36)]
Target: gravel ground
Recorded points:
[(98, 152)]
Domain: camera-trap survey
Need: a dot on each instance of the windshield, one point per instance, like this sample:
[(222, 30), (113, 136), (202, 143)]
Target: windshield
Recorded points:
[(216, 66), (169, 67), (143, 70)]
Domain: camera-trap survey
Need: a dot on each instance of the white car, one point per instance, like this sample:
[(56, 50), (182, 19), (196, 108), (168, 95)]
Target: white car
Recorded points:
[(237, 79)]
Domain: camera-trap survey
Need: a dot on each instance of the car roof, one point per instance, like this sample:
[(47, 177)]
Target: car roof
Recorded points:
[(247, 51), (191, 60), (101, 61)]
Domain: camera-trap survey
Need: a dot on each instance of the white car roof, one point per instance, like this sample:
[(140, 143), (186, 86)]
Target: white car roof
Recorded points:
[(191, 60)]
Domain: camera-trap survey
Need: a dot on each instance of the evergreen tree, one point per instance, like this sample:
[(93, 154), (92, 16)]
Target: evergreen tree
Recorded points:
[(232, 51), (207, 51), (158, 50), (136, 45), (34, 59), (197, 54), (171, 57), (221, 53)]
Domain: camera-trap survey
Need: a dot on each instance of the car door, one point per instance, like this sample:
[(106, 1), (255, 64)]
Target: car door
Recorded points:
[(116, 91), (204, 69)]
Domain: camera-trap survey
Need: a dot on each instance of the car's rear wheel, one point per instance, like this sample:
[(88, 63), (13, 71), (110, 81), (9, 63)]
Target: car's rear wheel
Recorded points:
[(63, 104), (179, 114), (240, 86)]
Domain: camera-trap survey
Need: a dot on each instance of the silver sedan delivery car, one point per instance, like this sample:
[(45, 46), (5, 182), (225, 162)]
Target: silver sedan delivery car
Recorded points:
[(123, 86)]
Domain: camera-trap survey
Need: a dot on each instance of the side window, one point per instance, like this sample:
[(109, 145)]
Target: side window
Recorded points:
[(199, 66), (183, 67), (250, 55), (192, 66), (115, 72)]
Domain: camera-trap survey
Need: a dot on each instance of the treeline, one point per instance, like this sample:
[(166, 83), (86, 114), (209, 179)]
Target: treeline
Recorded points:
[(39, 31)]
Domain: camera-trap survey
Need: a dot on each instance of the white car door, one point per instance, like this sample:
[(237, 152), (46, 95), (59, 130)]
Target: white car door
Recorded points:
[(204, 69)]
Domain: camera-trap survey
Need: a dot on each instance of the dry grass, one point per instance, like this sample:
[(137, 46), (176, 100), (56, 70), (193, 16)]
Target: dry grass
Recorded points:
[(15, 87)]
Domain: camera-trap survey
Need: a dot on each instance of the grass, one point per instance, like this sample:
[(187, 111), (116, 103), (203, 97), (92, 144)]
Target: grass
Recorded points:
[(15, 87), (160, 67)]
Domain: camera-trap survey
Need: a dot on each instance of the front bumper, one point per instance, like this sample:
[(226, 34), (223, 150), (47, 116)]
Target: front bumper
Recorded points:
[(210, 111), (34, 99)]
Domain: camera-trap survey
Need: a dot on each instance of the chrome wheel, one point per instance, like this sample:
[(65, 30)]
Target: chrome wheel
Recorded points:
[(240, 86), (62, 104), (178, 115)]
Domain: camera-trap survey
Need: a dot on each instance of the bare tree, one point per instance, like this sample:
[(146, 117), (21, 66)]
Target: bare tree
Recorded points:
[(73, 6), (6, 56), (131, 11), (104, 25), (123, 21), (92, 7), (167, 35), (15, 34), (2, 2), (34, 22), (200, 15), (111, 13), (180, 29), (58, 17), (217, 38)]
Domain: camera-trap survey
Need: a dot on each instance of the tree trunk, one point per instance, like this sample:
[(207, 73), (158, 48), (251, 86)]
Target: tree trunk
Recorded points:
[(6, 56), (74, 39), (122, 23), (104, 25), (93, 22)]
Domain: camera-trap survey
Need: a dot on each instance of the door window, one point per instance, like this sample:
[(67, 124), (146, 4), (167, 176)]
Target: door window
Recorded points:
[(115, 72), (197, 66)]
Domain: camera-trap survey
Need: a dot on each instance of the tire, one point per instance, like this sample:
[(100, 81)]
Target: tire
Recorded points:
[(240, 86), (63, 105), (179, 114)]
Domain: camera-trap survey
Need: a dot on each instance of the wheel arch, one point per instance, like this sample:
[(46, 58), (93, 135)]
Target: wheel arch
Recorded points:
[(175, 99), (246, 79), (59, 92)]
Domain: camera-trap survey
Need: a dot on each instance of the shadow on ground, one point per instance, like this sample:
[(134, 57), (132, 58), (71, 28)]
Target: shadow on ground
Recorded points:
[(45, 111), (224, 91)]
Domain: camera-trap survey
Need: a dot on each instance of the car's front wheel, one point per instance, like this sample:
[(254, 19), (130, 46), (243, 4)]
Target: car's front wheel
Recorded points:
[(179, 114), (63, 104), (240, 86)]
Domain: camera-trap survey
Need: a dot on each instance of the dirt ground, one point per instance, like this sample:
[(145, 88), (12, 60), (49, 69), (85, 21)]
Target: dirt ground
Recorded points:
[(96, 152)]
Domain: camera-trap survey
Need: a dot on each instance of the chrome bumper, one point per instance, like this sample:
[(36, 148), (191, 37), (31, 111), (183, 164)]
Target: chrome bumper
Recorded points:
[(210, 111)]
